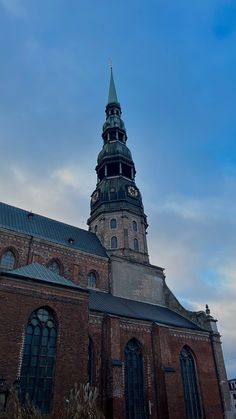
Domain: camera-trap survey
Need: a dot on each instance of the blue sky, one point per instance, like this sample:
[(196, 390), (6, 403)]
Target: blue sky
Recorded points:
[(175, 72)]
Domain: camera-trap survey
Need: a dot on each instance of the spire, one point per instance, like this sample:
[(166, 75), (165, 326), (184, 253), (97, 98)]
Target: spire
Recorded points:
[(112, 96)]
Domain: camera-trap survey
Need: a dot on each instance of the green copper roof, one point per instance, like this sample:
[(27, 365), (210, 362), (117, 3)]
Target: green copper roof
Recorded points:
[(40, 273), (112, 96)]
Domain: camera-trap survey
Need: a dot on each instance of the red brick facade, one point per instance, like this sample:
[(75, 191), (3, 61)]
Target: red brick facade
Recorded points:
[(161, 345)]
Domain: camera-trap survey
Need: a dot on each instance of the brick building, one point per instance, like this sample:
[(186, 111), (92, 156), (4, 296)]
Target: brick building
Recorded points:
[(82, 305), (232, 389)]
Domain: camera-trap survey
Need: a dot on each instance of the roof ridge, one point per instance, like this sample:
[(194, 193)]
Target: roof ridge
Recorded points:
[(47, 218)]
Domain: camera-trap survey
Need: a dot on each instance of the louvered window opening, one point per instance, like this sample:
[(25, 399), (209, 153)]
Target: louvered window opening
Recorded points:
[(190, 385), (7, 260), (134, 381), (39, 360)]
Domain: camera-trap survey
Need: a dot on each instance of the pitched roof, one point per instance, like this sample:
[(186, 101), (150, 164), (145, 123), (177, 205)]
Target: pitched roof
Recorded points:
[(104, 302), (22, 221), (108, 303), (112, 96), (40, 273)]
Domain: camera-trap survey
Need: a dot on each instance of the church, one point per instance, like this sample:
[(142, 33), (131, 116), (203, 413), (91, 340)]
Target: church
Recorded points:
[(79, 306)]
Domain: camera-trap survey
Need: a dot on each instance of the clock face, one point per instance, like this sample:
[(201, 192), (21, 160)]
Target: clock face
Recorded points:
[(95, 196), (132, 191)]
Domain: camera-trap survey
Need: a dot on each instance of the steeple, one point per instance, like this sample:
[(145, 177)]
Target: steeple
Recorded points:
[(112, 96), (117, 214)]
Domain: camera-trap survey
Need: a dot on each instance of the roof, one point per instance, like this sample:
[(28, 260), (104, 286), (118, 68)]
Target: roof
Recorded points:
[(108, 303), (104, 302), (112, 96), (35, 225), (39, 272)]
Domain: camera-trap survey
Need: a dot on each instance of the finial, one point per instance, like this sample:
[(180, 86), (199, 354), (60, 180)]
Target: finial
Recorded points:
[(208, 311)]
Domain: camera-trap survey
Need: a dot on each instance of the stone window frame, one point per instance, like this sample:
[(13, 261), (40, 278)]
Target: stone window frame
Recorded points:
[(136, 244), (196, 391), (95, 279), (135, 225), (59, 263), (43, 317), (113, 223), (15, 254), (114, 242), (134, 345)]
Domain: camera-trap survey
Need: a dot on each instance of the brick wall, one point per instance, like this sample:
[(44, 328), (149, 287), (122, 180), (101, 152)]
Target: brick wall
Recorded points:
[(124, 232), (18, 300), (161, 349), (75, 264)]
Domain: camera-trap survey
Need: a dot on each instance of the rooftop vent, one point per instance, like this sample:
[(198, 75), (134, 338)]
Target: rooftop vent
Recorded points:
[(30, 215), (71, 241)]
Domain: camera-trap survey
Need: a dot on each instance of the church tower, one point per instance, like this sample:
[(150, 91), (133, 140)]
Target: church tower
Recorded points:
[(117, 215)]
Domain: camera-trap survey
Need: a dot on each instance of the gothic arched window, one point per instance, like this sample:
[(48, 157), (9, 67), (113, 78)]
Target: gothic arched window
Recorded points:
[(54, 267), (113, 223), (90, 361), (190, 385), (114, 242), (134, 381), (7, 260), (38, 361), (92, 279), (135, 227), (136, 244)]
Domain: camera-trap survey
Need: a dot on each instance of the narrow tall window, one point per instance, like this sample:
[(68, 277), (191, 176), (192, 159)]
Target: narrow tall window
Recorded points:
[(113, 223), (54, 267), (134, 381), (38, 362), (90, 361), (92, 280), (114, 242), (135, 227), (7, 260), (136, 244), (190, 385)]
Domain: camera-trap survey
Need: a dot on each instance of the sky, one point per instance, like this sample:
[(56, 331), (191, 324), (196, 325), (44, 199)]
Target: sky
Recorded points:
[(174, 66)]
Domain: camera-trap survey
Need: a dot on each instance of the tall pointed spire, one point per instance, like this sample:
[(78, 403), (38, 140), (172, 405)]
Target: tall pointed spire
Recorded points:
[(112, 96)]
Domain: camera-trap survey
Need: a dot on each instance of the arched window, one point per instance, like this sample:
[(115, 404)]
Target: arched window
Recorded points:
[(134, 381), (135, 227), (136, 244), (54, 267), (92, 279), (190, 385), (114, 242), (113, 223), (7, 260), (90, 361), (37, 369)]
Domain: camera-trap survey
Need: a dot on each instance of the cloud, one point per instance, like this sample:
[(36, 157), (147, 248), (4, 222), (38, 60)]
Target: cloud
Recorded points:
[(194, 239), (14, 7), (58, 194)]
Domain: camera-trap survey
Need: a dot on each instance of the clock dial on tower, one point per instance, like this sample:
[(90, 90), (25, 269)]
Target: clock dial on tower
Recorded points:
[(95, 197), (132, 191)]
